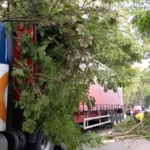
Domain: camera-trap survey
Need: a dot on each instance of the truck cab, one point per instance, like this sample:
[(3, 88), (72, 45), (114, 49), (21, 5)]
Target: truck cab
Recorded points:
[(11, 135)]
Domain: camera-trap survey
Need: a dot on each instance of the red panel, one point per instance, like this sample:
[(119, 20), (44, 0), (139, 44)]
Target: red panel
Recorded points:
[(80, 117), (105, 98), (20, 30)]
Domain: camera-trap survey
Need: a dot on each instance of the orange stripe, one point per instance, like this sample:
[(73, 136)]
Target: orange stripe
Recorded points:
[(3, 85)]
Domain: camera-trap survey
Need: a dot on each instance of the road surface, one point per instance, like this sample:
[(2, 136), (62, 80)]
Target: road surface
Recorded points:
[(129, 144)]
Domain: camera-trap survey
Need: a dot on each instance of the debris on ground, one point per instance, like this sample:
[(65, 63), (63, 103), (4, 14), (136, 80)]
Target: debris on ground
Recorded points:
[(91, 139), (129, 129)]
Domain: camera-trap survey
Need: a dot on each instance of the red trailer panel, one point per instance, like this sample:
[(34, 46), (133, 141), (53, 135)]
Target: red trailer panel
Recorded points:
[(108, 107), (105, 98)]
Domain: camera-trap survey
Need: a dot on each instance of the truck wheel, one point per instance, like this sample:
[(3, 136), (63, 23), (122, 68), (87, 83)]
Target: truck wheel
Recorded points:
[(3, 142), (21, 139), (60, 147), (120, 115), (13, 141), (41, 143), (63, 147), (113, 119), (118, 118)]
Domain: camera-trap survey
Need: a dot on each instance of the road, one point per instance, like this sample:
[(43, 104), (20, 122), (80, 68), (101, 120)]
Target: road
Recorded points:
[(129, 144)]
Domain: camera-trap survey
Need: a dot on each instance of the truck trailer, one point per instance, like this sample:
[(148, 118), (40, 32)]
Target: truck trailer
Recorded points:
[(108, 106), (107, 109)]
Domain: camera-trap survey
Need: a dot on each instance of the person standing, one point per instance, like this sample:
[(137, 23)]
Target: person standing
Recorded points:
[(128, 112), (143, 108)]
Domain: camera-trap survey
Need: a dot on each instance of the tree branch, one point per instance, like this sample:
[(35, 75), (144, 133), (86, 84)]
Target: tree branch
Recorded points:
[(37, 88), (16, 20), (88, 4), (19, 63), (40, 74)]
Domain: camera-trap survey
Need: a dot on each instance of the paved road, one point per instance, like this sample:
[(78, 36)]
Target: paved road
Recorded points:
[(129, 144)]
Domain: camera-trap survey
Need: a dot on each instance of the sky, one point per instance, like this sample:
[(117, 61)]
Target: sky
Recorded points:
[(143, 65)]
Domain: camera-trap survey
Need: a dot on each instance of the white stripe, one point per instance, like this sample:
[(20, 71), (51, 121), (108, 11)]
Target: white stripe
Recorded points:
[(3, 69), (2, 125)]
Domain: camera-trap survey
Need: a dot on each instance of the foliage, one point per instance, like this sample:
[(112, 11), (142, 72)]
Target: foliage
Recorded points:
[(147, 101), (141, 12), (126, 124), (72, 34), (138, 93), (142, 130), (91, 139), (143, 21), (131, 96)]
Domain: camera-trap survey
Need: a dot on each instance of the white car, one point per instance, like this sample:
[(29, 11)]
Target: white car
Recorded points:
[(137, 109)]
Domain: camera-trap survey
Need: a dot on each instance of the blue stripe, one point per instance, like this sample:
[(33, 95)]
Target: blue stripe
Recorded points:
[(3, 45)]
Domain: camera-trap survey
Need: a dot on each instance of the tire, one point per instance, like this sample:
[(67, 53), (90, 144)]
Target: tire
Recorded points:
[(60, 147), (121, 117), (3, 142), (63, 147), (113, 119), (41, 143), (21, 139), (13, 141), (118, 118)]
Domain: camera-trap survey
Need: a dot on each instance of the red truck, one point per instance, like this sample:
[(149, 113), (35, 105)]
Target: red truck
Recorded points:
[(108, 106), (11, 135)]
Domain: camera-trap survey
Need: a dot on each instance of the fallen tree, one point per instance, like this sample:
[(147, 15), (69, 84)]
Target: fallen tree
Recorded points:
[(129, 129)]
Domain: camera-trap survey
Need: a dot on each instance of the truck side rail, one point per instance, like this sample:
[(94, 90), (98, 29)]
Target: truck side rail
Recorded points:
[(83, 107), (86, 121)]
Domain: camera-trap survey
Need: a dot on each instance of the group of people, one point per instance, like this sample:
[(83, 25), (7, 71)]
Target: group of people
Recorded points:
[(138, 116)]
